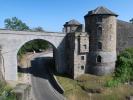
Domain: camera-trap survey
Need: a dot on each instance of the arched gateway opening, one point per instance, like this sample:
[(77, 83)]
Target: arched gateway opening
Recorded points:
[(36, 57), (36, 64)]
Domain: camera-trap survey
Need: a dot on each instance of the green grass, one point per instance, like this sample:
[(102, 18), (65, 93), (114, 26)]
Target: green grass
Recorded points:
[(5, 92), (77, 90), (71, 87)]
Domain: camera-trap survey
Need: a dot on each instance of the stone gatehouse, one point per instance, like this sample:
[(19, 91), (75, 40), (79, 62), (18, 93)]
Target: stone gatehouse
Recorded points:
[(95, 49)]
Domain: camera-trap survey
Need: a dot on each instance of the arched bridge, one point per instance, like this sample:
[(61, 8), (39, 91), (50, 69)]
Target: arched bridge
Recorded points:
[(11, 42)]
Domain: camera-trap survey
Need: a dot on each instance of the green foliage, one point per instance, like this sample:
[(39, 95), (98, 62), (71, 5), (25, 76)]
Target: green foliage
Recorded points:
[(5, 92), (34, 45), (112, 83), (15, 24), (76, 90), (124, 68), (38, 29), (124, 65), (131, 20)]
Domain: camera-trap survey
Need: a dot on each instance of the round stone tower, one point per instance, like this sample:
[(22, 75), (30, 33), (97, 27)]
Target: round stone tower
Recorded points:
[(100, 24)]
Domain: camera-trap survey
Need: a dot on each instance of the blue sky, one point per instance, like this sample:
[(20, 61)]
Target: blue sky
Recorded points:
[(52, 14)]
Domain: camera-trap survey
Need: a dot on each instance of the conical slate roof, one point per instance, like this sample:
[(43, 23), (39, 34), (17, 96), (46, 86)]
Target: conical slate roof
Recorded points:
[(72, 22), (101, 11)]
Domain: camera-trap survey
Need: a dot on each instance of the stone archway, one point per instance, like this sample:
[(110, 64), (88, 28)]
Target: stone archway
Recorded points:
[(11, 41), (27, 65)]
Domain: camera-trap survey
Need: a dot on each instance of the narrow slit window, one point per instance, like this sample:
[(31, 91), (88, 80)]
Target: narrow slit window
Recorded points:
[(99, 31), (99, 19), (99, 45), (99, 59)]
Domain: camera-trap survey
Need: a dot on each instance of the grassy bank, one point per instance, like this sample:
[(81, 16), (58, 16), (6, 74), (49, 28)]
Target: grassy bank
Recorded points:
[(90, 87), (5, 92)]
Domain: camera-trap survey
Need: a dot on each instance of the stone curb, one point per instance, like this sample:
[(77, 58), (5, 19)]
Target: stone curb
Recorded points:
[(58, 83), (55, 79)]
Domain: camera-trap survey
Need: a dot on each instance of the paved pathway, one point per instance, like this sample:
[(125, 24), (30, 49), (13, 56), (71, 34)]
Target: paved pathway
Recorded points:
[(40, 76)]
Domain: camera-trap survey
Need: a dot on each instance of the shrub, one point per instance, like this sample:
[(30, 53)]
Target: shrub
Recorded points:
[(112, 83), (124, 68)]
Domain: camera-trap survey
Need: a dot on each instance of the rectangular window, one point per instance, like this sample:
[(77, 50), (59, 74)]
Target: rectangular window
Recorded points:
[(99, 31), (99, 19), (82, 57), (99, 45), (85, 46), (82, 67)]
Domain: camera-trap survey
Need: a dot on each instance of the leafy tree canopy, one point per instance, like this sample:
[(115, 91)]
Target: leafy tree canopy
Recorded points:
[(15, 24), (131, 21), (38, 29), (124, 68), (35, 45)]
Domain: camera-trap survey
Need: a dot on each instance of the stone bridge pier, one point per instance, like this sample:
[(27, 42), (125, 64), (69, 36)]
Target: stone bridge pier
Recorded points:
[(12, 41)]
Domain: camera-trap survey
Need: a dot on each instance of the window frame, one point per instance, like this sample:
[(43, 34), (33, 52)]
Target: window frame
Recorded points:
[(85, 46), (99, 45), (99, 59), (82, 57), (82, 67), (99, 31), (99, 19)]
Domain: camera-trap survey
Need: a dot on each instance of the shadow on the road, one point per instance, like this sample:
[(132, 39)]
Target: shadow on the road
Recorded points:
[(42, 67)]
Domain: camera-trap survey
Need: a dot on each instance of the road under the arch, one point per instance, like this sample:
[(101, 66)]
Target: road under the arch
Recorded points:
[(42, 89)]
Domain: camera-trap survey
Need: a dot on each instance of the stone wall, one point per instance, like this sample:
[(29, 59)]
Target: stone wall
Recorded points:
[(1, 66), (69, 49), (77, 49), (22, 92), (106, 39), (124, 35), (80, 53)]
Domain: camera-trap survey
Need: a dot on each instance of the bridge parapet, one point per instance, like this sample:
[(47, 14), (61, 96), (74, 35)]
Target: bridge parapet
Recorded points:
[(3, 31), (12, 41)]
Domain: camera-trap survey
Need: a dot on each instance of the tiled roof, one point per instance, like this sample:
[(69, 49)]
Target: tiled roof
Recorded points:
[(72, 22), (101, 11)]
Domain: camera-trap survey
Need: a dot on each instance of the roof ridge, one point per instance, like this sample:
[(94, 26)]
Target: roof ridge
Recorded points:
[(101, 10), (72, 22)]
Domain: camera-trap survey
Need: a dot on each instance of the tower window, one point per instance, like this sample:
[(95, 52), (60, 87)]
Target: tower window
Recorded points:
[(99, 45), (82, 57), (85, 46), (99, 19), (99, 59), (82, 67), (99, 30)]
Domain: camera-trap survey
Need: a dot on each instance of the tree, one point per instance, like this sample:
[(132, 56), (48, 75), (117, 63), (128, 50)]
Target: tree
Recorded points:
[(39, 29), (15, 24), (124, 68), (35, 45), (131, 21)]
